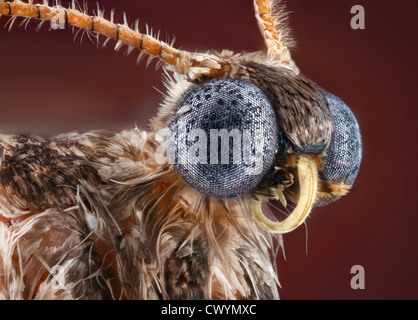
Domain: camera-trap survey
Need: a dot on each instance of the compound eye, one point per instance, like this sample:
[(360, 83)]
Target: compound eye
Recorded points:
[(224, 137), (343, 158)]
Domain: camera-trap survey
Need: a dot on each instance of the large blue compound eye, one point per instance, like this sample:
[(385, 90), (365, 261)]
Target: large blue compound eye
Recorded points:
[(343, 158), (224, 137)]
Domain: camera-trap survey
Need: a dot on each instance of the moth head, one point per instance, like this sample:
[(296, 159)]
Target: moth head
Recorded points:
[(250, 125)]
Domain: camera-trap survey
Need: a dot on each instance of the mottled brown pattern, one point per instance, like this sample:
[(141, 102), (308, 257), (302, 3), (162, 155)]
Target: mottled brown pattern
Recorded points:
[(44, 173)]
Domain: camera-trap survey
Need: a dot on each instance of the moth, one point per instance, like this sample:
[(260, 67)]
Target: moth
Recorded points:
[(183, 210)]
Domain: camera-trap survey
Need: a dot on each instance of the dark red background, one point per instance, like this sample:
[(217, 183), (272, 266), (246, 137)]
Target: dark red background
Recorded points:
[(50, 85)]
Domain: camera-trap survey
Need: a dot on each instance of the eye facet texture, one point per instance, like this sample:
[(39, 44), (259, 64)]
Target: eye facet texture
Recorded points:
[(224, 137), (344, 153)]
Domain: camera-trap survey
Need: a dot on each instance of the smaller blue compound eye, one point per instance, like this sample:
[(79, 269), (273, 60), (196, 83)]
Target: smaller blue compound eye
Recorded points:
[(224, 137), (343, 156)]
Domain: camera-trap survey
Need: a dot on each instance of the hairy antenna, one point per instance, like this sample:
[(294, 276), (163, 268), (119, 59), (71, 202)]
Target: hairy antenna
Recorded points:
[(193, 65), (272, 21)]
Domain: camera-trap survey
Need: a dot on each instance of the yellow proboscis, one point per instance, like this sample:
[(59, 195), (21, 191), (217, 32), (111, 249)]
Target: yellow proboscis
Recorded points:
[(308, 186)]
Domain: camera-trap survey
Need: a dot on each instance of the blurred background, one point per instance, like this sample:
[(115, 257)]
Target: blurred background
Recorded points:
[(51, 83)]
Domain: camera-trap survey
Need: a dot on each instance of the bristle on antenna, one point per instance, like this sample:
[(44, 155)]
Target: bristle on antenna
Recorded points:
[(272, 21), (193, 65)]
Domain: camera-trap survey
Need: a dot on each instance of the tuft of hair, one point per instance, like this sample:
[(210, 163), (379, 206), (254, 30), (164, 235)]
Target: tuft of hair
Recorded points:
[(280, 14)]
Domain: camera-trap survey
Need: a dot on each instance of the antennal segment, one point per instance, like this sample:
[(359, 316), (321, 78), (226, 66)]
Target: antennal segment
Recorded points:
[(193, 65), (272, 21)]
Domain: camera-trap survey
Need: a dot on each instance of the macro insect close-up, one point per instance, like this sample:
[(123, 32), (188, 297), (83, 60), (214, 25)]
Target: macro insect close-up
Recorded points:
[(193, 199)]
